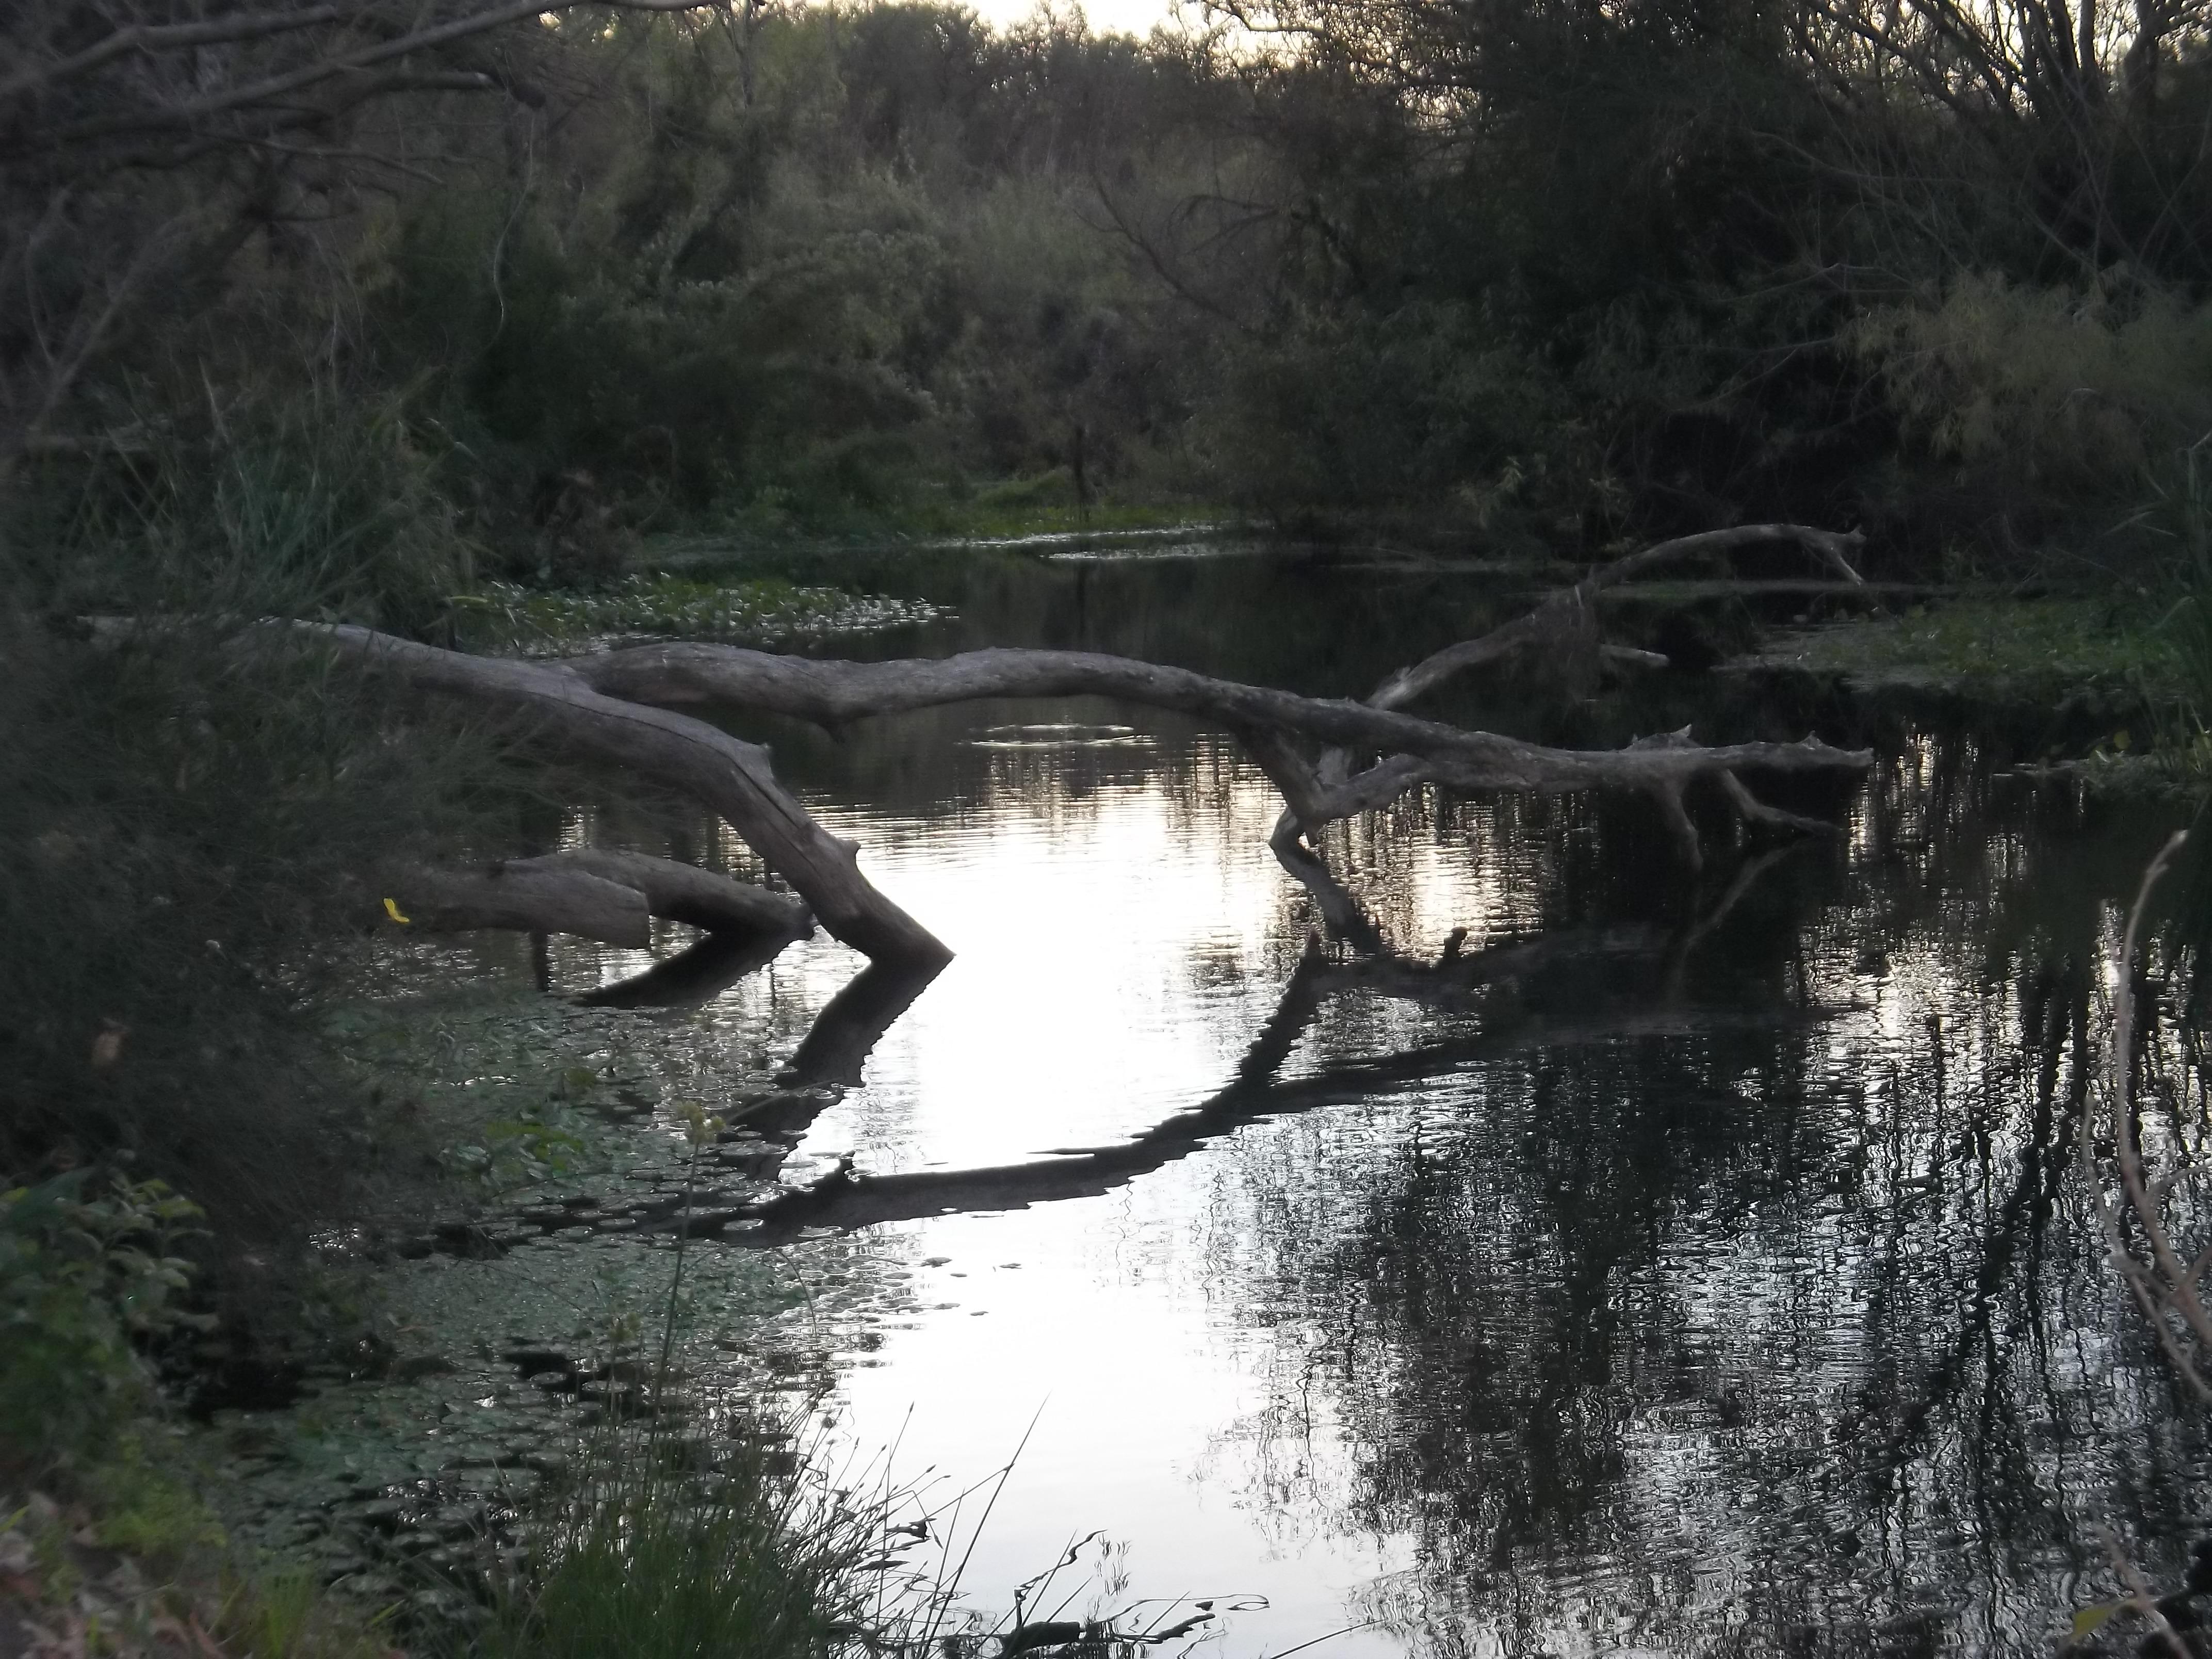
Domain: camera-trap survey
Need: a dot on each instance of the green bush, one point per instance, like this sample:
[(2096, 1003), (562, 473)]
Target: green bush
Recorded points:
[(1417, 406), (88, 1271)]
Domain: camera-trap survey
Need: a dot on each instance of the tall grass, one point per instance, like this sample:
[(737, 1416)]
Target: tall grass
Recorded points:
[(701, 1528), (676, 1546), (323, 502)]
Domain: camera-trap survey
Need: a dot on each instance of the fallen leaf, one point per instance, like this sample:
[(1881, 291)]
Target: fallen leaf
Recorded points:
[(2089, 1620)]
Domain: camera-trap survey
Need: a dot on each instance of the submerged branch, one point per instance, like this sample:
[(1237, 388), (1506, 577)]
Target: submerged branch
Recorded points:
[(1564, 612), (1565, 626), (2168, 1290)]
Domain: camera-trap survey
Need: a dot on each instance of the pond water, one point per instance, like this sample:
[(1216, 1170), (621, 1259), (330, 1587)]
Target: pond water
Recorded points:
[(1632, 1262)]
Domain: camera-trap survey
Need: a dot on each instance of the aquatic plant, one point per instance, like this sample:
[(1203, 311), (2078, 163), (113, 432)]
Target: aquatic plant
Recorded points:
[(507, 614)]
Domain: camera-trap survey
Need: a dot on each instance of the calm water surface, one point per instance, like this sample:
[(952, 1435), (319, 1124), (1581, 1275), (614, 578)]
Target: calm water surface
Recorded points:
[(1696, 1265)]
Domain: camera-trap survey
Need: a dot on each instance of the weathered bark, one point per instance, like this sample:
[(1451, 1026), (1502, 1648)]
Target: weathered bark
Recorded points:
[(530, 900), (1317, 792), (730, 776), (620, 706), (610, 897), (616, 705), (833, 694), (684, 892)]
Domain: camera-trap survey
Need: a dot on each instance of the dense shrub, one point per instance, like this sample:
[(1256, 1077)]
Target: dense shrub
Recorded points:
[(2077, 393), (190, 823)]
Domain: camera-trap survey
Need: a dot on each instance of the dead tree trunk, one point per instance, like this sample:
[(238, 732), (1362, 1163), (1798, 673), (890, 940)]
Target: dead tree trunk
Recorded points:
[(1316, 792), (617, 705), (1565, 626), (729, 775)]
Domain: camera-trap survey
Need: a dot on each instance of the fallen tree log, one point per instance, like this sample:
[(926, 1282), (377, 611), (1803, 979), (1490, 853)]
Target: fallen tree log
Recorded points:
[(613, 705), (1316, 792), (1319, 791), (516, 896), (831, 694), (590, 892), (622, 707), (729, 775), (706, 899)]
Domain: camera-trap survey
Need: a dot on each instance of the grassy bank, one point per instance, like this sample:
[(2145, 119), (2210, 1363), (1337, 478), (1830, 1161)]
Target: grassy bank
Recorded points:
[(668, 1542)]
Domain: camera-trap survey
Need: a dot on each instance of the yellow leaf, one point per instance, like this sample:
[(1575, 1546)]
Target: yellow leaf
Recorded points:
[(391, 909), (2121, 740), (2089, 1620)]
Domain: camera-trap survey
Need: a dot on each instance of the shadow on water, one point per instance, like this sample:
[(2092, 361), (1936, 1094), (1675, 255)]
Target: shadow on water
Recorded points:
[(1614, 1262)]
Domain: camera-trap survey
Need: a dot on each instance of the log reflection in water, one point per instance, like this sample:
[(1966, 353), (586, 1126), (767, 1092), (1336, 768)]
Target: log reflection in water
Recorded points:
[(1500, 984), (701, 971)]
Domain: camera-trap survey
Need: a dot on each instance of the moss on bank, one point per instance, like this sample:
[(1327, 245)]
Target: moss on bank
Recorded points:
[(2110, 691)]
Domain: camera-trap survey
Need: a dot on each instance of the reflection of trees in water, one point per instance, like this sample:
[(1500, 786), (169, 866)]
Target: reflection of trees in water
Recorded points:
[(1652, 1308), (1782, 1340)]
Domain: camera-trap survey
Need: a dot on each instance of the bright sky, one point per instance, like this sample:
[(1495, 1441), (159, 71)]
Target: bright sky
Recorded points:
[(1136, 17)]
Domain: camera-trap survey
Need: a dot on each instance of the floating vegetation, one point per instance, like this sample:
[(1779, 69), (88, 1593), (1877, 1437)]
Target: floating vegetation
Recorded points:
[(754, 610), (1995, 646), (1061, 735), (1190, 541)]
